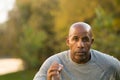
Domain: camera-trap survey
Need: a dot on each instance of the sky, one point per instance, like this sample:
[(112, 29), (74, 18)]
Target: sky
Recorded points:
[(5, 7)]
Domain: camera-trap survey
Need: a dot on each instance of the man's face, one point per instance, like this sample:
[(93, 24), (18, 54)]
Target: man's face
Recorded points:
[(79, 42)]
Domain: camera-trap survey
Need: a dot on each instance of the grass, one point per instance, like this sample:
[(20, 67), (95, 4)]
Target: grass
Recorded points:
[(22, 75)]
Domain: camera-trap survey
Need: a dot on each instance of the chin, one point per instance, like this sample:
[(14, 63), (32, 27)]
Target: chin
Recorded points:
[(81, 60)]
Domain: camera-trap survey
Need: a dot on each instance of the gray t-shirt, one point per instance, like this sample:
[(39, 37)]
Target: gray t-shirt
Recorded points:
[(100, 67)]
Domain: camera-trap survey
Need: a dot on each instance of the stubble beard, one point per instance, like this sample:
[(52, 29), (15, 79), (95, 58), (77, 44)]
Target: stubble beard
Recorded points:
[(81, 59)]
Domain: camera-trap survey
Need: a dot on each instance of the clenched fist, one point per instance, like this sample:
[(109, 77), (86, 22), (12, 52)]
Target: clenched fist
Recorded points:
[(53, 72)]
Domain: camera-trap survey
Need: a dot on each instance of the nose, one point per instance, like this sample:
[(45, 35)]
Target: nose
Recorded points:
[(80, 44)]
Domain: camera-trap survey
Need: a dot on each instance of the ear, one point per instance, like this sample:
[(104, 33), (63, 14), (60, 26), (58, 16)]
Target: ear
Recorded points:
[(67, 41), (92, 41)]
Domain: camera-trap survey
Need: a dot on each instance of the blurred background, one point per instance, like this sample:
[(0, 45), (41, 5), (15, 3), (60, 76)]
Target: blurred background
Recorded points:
[(33, 30)]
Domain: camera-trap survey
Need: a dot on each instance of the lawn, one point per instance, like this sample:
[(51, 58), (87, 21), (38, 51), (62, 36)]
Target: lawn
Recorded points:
[(22, 75)]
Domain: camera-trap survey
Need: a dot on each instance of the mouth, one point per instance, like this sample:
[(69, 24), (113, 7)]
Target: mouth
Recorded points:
[(81, 53)]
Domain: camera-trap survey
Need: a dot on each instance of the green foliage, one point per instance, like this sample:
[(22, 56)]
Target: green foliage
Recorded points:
[(103, 19), (22, 75), (106, 39), (35, 39), (70, 12), (30, 44), (38, 28)]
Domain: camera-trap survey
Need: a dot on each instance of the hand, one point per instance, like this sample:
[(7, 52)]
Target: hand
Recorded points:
[(54, 71)]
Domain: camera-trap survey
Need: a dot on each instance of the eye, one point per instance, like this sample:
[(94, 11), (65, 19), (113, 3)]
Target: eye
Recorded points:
[(75, 38), (85, 39)]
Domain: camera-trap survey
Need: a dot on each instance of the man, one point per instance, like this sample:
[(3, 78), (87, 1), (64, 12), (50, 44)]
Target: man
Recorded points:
[(80, 62)]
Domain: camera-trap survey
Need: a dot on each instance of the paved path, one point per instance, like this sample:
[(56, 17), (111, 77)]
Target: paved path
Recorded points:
[(9, 65)]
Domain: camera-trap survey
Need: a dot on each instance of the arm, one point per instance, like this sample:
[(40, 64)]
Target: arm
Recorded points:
[(53, 72), (48, 69), (118, 74), (117, 70)]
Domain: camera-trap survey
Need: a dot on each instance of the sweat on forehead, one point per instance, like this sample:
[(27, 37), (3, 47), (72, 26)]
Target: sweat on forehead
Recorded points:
[(80, 25)]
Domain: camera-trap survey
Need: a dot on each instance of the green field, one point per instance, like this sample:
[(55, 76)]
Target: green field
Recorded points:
[(22, 75)]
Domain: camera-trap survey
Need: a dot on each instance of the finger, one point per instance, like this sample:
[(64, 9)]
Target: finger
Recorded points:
[(52, 73), (55, 63), (53, 70), (55, 67), (60, 67)]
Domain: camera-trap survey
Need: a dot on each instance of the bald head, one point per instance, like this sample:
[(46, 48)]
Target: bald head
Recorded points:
[(80, 26), (80, 40)]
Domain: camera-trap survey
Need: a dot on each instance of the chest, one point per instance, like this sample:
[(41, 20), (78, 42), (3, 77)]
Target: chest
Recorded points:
[(85, 72)]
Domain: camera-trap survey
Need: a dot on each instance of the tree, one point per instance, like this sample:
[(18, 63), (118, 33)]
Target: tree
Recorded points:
[(33, 23), (106, 39), (30, 44), (70, 12)]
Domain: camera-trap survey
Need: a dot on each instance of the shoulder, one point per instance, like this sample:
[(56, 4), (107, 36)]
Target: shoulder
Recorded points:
[(45, 66), (105, 60), (41, 74), (56, 57)]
